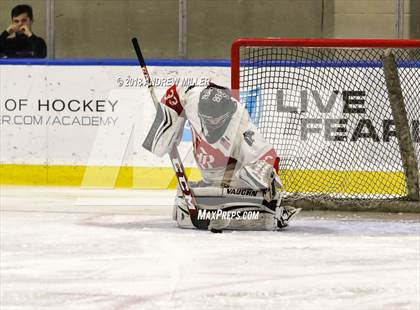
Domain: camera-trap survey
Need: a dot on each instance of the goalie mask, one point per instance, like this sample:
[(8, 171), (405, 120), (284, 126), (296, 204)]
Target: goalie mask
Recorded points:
[(215, 110)]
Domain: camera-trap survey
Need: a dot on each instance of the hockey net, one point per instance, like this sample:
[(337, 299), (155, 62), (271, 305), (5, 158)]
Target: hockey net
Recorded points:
[(325, 107)]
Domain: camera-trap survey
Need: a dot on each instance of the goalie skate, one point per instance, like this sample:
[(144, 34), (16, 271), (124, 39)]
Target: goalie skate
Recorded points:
[(285, 214)]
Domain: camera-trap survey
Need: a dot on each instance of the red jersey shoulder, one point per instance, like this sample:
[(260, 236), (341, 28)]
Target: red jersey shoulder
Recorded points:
[(171, 100)]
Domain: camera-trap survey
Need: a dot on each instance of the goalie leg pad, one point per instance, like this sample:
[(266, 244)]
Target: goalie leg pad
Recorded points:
[(232, 209), (180, 214)]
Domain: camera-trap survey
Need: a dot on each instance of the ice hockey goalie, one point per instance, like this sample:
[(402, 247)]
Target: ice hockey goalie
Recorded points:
[(240, 187)]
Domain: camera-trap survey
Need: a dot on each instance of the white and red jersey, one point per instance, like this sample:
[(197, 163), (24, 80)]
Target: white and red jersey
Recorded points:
[(240, 144)]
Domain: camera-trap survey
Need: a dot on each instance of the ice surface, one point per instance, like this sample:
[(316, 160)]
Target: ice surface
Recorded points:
[(67, 248)]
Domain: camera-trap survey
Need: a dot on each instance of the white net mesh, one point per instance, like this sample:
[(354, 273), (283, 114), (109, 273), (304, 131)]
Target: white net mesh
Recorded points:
[(327, 113)]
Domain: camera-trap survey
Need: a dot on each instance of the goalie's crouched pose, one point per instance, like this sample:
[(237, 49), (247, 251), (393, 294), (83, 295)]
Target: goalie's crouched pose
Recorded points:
[(240, 186)]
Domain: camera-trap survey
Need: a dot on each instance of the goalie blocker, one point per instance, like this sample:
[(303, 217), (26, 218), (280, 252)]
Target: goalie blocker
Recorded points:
[(234, 209)]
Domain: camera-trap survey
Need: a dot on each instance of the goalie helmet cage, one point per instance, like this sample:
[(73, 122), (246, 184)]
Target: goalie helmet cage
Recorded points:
[(343, 115)]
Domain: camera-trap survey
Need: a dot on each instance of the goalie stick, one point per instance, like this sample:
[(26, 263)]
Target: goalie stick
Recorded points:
[(173, 154)]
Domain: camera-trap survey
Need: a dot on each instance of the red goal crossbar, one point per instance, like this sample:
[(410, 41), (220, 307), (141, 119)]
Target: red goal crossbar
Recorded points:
[(339, 43)]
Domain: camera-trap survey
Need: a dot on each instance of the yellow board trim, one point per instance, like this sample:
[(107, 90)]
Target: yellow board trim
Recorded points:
[(306, 181), (96, 176), (344, 182)]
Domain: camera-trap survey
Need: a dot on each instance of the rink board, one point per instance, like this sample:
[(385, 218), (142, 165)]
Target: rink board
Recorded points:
[(82, 123)]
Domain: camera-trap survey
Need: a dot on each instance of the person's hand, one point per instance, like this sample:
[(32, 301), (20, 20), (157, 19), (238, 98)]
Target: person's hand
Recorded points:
[(26, 30), (12, 28)]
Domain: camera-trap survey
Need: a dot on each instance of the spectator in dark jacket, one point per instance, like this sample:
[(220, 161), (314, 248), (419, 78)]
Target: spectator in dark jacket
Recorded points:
[(18, 40)]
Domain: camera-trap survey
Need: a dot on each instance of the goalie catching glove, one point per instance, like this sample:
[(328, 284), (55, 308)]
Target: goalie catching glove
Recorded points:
[(260, 175)]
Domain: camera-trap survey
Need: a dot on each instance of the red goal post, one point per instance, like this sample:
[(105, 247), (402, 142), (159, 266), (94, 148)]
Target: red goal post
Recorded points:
[(267, 65)]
